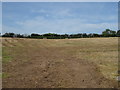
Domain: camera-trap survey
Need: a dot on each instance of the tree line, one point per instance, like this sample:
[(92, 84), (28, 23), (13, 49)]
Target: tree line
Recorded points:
[(106, 33)]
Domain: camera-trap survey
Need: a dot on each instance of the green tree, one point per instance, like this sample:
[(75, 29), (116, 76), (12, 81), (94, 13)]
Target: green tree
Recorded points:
[(118, 33), (109, 33)]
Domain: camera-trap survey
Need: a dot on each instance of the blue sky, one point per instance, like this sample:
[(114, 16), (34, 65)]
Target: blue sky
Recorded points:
[(59, 17)]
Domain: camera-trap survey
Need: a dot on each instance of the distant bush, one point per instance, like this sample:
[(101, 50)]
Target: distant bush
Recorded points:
[(106, 33)]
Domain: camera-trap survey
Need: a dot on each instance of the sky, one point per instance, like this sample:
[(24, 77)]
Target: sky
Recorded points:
[(59, 17), (0, 17)]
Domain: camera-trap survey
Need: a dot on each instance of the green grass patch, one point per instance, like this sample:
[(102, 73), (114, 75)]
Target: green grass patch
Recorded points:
[(4, 75), (6, 55), (6, 59)]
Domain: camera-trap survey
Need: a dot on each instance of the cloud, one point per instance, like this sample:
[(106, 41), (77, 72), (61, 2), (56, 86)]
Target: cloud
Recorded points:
[(54, 13), (59, 18), (39, 11), (43, 25), (64, 13)]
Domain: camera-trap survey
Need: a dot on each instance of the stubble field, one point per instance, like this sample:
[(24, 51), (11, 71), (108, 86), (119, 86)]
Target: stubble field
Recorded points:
[(60, 63)]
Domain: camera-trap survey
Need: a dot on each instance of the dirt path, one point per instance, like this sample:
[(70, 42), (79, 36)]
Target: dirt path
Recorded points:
[(53, 67)]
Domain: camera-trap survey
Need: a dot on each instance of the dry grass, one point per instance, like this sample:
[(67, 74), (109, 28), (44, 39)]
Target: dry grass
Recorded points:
[(102, 51)]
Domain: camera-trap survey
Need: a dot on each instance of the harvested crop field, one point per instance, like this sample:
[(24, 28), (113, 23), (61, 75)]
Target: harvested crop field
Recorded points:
[(60, 63)]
